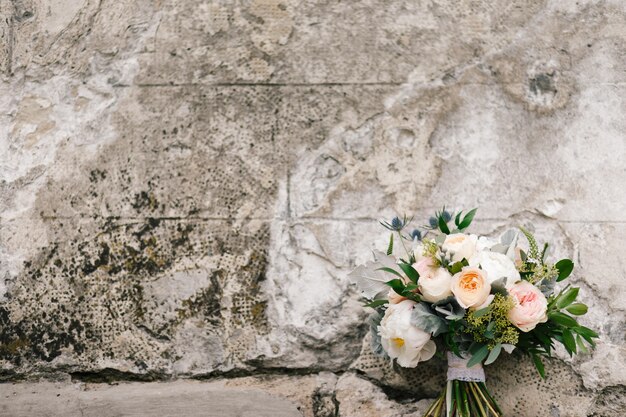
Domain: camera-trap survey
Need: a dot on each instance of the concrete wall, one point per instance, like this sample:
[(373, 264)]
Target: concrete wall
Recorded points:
[(185, 184)]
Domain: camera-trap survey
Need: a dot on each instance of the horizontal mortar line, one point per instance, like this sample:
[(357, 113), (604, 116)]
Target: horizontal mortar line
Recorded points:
[(326, 84), (279, 219), (341, 84)]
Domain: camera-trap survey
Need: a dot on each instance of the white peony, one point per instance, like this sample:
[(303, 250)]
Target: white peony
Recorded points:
[(460, 246), (496, 265), (401, 340)]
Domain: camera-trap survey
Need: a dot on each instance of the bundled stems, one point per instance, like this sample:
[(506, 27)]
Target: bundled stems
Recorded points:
[(464, 399)]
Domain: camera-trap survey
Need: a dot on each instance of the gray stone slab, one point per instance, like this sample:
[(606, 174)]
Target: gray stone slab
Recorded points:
[(140, 400)]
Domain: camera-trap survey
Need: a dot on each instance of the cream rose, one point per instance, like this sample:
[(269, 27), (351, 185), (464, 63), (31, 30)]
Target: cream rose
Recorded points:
[(496, 265), (434, 283), (459, 246), (401, 340), (530, 306), (471, 287)]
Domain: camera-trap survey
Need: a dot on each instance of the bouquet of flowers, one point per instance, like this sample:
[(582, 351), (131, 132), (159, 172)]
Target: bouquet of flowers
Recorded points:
[(470, 297)]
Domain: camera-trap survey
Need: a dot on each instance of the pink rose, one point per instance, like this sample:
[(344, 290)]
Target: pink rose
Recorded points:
[(426, 267), (530, 306)]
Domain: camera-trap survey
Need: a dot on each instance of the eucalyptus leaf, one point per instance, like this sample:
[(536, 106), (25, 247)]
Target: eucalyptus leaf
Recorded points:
[(423, 318), (449, 308), (479, 356), (499, 286), (493, 354), (370, 279), (374, 322)]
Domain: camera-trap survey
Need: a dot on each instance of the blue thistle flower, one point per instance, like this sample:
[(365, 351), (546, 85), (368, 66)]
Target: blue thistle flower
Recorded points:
[(416, 234)]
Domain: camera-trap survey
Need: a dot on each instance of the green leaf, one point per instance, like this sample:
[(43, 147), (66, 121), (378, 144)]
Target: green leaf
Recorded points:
[(442, 225), (567, 297), (411, 287), (493, 355), (397, 285), (457, 219), (456, 267), (390, 247), (467, 219), (478, 357), (410, 272), (581, 344), (376, 303), (569, 342), (587, 334), (391, 271), (423, 318), (565, 267), (539, 365), (577, 309), (563, 319), (481, 312)]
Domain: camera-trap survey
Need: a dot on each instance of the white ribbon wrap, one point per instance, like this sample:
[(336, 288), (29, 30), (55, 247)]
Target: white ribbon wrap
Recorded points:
[(458, 370)]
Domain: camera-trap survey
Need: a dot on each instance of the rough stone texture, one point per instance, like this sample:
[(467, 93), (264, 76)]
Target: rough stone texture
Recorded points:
[(184, 185)]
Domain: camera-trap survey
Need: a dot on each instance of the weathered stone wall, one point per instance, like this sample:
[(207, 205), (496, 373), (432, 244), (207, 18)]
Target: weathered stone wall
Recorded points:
[(185, 184)]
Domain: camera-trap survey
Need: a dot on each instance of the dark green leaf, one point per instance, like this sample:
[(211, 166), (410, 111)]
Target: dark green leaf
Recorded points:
[(565, 267), (587, 334), (539, 365), (456, 267), (457, 219), (390, 247), (410, 272), (567, 297), (493, 355), (569, 342), (397, 285), (443, 226), (563, 319), (391, 271), (467, 219), (577, 309), (478, 357)]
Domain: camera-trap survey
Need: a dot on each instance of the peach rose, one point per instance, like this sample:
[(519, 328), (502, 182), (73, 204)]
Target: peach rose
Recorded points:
[(471, 287), (530, 306)]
